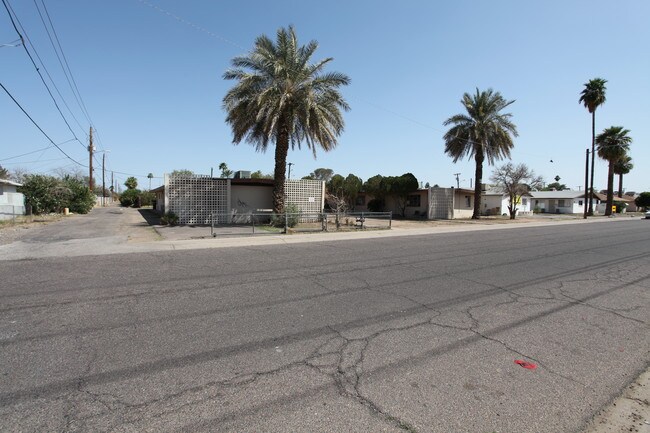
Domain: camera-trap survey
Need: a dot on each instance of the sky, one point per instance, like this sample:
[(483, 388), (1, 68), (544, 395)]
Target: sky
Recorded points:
[(149, 79)]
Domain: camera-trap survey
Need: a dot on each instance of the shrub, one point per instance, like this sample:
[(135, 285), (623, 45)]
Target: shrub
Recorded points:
[(39, 191), (169, 218), (376, 205), (147, 198), (620, 206), (643, 200), (292, 219), (129, 197), (80, 198), (46, 194)]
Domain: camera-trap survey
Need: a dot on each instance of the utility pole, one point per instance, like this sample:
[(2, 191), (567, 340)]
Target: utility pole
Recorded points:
[(290, 164), (103, 179), (112, 187), (90, 161), (457, 180), (586, 184)]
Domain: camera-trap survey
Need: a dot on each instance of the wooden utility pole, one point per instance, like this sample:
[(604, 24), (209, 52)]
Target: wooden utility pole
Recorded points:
[(457, 180), (90, 163), (103, 178)]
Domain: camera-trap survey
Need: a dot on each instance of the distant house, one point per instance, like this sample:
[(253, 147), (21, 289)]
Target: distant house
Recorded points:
[(559, 202), (602, 202), (12, 202), (496, 203)]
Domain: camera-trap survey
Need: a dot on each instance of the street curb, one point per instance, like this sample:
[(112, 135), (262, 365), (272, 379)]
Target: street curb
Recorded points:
[(629, 412)]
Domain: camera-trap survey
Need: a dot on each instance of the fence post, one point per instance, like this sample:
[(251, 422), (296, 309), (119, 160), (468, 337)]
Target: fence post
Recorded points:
[(286, 221), (390, 219), (253, 221)]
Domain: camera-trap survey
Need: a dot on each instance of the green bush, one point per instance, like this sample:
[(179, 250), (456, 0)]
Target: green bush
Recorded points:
[(292, 219), (47, 194), (130, 197), (147, 198), (80, 198), (169, 218), (643, 200), (376, 205), (620, 206)]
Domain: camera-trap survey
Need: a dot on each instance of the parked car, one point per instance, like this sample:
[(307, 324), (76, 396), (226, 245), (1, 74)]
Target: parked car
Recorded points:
[(647, 215)]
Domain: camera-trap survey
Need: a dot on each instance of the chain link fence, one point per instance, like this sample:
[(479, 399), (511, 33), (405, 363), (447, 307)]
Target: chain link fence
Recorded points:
[(234, 224)]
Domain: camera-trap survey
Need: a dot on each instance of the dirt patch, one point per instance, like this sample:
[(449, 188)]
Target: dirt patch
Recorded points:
[(12, 231), (628, 413)]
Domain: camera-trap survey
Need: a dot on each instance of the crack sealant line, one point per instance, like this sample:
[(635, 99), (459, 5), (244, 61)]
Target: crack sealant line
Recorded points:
[(570, 299), (512, 349)]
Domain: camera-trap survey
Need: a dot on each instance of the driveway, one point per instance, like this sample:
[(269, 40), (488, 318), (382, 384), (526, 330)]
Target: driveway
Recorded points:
[(101, 229)]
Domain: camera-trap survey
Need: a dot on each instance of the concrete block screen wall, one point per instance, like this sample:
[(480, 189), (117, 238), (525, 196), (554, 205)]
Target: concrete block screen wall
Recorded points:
[(195, 198), (308, 195), (441, 203)]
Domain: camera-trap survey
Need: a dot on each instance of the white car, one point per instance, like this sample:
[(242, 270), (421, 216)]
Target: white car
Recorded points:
[(647, 215)]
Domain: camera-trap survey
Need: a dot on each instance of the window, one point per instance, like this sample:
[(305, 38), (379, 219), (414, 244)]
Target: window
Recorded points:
[(413, 200), (560, 203), (361, 200), (468, 201), (579, 202), (524, 201)]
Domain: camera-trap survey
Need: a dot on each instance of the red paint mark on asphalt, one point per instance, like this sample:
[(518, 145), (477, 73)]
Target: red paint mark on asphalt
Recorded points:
[(528, 365)]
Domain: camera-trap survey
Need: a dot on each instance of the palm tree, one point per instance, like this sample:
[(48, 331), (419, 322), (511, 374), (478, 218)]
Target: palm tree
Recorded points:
[(593, 96), (621, 167), (613, 144), (484, 132), (282, 97)]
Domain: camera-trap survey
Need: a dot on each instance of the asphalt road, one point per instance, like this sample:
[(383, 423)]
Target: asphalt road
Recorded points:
[(416, 334)]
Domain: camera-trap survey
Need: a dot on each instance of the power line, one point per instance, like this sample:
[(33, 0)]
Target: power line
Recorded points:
[(191, 24), (75, 91), (65, 73), (11, 17), (36, 124)]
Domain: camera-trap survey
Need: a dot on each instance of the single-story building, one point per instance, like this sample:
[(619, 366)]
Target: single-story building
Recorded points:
[(196, 199), (12, 202), (559, 202), (602, 202), (496, 203)]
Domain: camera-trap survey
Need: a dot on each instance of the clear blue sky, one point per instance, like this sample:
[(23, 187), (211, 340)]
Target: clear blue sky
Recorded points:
[(153, 85)]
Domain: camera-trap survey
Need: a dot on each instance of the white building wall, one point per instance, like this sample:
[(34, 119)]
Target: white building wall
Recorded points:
[(247, 199), (12, 203)]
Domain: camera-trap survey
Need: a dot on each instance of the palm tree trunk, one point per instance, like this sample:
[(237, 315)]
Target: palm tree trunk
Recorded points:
[(478, 183), (593, 157), (281, 150), (610, 189), (620, 185)]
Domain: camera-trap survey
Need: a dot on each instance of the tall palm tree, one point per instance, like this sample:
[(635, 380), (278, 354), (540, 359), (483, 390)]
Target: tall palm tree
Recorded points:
[(621, 167), (484, 132), (282, 97), (613, 144), (593, 96)]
